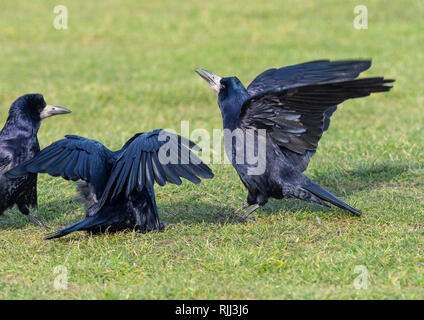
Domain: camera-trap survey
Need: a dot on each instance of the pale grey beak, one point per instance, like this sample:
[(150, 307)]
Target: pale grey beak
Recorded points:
[(49, 111), (213, 80)]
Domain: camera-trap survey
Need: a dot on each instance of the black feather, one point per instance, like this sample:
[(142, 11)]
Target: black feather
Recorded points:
[(294, 105), (119, 185)]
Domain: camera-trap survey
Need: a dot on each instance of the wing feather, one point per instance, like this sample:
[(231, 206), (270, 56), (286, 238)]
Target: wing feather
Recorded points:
[(308, 73), (73, 158), (296, 116), (143, 152)]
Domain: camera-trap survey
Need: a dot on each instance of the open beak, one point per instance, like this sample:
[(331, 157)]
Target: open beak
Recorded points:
[(49, 111), (213, 80)]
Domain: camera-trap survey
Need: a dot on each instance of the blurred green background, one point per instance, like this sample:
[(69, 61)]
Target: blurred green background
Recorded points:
[(128, 66)]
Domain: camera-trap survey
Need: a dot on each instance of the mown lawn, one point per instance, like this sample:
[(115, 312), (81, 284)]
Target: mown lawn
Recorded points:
[(127, 67)]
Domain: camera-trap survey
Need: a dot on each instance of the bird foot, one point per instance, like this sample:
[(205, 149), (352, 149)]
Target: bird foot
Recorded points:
[(39, 222), (240, 219), (232, 213), (244, 216), (164, 225), (223, 216)]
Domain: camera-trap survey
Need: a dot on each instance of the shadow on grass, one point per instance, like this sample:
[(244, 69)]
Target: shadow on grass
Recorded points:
[(175, 213), (49, 212), (193, 212), (364, 178), (340, 183)]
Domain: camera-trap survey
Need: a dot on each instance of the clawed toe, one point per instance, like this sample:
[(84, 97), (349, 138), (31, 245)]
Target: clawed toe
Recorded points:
[(39, 222), (222, 216), (164, 225), (241, 220)]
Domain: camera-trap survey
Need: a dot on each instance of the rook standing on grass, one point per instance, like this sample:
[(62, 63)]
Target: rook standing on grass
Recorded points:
[(293, 105), (19, 143)]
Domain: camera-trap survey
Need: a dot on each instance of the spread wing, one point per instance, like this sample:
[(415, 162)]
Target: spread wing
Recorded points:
[(308, 73), (154, 156), (294, 115), (74, 158)]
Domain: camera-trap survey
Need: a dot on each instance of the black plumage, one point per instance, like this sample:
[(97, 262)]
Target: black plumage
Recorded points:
[(19, 143), (293, 105), (119, 186)]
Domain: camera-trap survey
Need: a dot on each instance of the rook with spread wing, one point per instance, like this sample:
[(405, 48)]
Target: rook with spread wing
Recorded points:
[(118, 186), (293, 105)]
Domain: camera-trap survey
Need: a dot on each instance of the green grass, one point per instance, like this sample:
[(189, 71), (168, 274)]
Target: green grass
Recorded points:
[(128, 67)]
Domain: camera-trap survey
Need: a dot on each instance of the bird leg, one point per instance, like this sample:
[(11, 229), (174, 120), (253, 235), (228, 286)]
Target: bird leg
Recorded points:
[(244, 216), (25, 210), (38, 222), (225, 215)]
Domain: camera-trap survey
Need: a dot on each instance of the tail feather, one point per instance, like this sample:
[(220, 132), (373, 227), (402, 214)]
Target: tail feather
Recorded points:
[(149, 218), (85, 224), (329, 197)]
